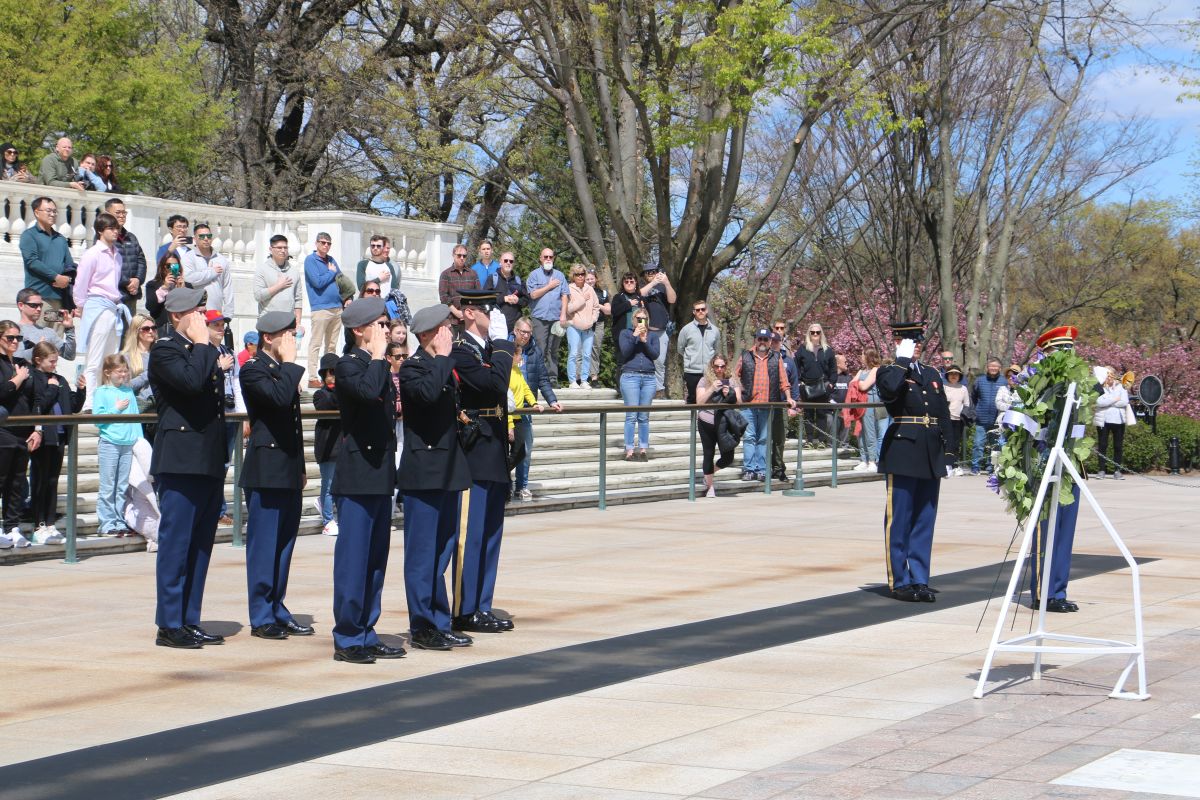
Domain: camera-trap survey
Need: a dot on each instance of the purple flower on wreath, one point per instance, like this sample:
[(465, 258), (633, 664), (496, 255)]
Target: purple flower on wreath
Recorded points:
[(993, 483)]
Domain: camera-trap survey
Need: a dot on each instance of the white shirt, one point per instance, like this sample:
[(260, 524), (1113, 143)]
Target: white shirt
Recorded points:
[(199, 272)]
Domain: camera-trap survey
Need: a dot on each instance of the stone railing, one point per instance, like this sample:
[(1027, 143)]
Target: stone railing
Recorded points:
[(420, 249)]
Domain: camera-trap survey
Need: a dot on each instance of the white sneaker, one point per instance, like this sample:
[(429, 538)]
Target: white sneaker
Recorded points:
[(872, 467), (861, 466), (151, 547), (712, 492), (52, 535), (330, 529), (526, 495), (14, 536), (5, 542), (585, 385)]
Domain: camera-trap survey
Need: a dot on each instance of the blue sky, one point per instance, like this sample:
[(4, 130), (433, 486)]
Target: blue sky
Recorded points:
[(1132, 83)]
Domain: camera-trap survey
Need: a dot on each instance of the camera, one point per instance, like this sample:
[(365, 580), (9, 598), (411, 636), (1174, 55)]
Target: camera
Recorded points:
[(175, 270), (230, 403), (52, 315)]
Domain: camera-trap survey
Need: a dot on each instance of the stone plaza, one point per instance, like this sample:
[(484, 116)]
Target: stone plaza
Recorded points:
[(730, 648)]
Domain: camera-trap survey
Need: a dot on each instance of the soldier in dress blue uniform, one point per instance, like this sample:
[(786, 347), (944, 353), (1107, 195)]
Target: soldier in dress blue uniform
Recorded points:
[(483, 368), (188, 465), (273, 475), (915, 458), (1059, 338), (363, 484), (433, 474)]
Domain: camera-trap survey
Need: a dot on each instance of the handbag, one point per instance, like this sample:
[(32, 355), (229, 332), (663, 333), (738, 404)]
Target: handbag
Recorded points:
[(815, 392), (1130, 417), (967, 414)]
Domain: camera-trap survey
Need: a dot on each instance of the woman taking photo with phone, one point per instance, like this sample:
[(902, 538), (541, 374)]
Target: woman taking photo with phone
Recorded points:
[(638, 348), (16, 399), (168, 277)]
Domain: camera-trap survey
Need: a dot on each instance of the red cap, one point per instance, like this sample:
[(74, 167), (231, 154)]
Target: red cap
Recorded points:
[(212, 315), (1057, 337)]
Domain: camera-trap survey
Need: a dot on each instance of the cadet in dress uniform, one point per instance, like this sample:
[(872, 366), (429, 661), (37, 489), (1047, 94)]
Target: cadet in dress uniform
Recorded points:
[(433, 475), (188, 466), (1060, 338), (273, 474), (483, 368), (363, 484), (915, 458)]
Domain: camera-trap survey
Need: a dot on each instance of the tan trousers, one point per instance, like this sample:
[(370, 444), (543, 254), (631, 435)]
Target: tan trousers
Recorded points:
[(326, 329)]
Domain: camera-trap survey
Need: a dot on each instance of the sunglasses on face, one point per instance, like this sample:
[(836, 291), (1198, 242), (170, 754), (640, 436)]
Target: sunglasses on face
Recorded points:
[(9, 337), (639, 319), (204, 236), (370, 291), (382, 324), (699, 310), (8, 152), (814, 333), (718, 366), (33, 305), (399, 356), (146, 328), (376, 247), (506, 261), (460, 255)]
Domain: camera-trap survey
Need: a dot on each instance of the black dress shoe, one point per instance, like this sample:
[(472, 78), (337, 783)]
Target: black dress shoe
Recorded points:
[(204, 636), (505, 624), (923, 593), (906, 593), (1060, 606), (294, 628), (457, 639), (383, 651), (429, 639), (476, 623), (270, 631), (181, 638), (354, 655)]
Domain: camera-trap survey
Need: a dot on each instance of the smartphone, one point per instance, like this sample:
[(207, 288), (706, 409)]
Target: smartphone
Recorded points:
[(50, 315), (187, 240), (175, 270)]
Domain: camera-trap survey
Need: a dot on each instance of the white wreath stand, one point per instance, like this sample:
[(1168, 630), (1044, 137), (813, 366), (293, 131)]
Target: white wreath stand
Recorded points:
[(1035, 642)]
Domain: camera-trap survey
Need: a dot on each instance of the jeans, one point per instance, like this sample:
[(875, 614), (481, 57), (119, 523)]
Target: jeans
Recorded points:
[(231, 432), (524, 429), (549, 344), (660, 363), (326, 499), (881, 426), (637, 389), (754, 443), (597, 346), (978, 459), (578, 341), (868, 446)]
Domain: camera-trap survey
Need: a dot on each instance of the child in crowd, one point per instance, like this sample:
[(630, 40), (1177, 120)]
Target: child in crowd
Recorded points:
[(519, 396), (250, 342), (53, 395), (115, 448), (327, 440)]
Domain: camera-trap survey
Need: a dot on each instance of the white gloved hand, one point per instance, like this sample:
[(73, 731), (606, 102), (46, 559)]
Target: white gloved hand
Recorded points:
[(949, 471), (906, 348)]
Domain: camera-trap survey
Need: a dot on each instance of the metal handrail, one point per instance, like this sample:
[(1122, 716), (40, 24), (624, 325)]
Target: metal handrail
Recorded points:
[(74, 421)]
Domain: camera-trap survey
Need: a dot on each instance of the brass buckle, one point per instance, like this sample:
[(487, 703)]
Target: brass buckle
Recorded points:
[(925, 420)]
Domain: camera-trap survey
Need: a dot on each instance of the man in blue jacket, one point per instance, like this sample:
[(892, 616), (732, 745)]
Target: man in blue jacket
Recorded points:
[(533, 367), (321, 271), (983, 398)]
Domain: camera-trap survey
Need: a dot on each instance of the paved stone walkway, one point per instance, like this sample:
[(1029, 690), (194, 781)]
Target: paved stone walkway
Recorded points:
[(878, 709)]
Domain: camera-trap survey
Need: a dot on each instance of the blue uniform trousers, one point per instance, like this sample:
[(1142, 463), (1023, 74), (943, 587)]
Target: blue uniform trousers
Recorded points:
[(477, 555), (272, 520), (1064, 540), (190, 506), (430, 525), (908, 521), (359, 564)]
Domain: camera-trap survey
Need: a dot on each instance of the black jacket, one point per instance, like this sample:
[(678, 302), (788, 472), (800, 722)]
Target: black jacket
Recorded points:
[(433, 459), (910, 448), (189, 396), (70, 401), (17, 400), (818, 367), (504, 287), (366, 400), (327, 434), (275, 451), (483, 384)]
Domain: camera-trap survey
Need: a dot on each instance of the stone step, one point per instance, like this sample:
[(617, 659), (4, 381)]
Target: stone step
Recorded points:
[(629, 475)]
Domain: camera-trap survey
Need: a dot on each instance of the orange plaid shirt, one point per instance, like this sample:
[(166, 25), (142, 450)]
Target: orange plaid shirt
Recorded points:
[(760, 390)]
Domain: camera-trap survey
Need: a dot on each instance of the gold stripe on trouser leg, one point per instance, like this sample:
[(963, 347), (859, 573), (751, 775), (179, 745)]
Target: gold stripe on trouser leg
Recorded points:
[(464, 507), (888, 516), (1038, 559)]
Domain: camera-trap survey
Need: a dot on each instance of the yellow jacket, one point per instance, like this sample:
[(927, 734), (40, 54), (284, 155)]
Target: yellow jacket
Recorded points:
[(520, 392)]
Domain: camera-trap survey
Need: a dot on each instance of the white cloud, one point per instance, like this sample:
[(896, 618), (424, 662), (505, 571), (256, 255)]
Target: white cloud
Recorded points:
[(1148, 91)]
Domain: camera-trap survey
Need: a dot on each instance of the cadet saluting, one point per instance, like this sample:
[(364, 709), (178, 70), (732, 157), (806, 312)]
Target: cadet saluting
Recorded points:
[(273, 475), (363, 484), (188, 466), (483, 369), (433, 473), (915, 460)]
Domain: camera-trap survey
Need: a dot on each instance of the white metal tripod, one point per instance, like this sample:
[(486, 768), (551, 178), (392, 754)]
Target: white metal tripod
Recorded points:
[(1035, 642)]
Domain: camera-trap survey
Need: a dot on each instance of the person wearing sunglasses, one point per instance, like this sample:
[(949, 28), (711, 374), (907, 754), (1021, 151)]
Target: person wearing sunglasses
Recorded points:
[(638, 351), (818, 376), (12, 168), (133, 258), (698, 342), (511, 294), (716, 387), (29, 307), (46, 253), (625, 301), (16, 399), (139, 340), (378, 266), (205, 268)]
